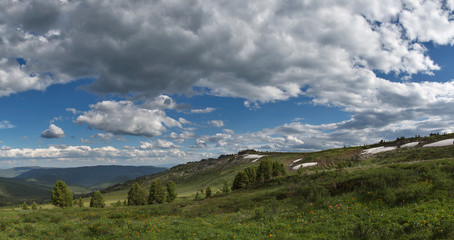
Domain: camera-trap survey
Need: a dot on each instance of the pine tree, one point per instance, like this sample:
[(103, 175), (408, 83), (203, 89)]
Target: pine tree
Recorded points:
[(24, 206), (61, 196), (137, 195), (80, 202), (278, 169), (34, 206), (251, 173), (241, 180), (97, 200), (171, 191), (265, 170), (157, 194), (208, 192)]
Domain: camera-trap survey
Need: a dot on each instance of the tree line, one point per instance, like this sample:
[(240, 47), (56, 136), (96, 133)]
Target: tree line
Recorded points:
[(62, 196)]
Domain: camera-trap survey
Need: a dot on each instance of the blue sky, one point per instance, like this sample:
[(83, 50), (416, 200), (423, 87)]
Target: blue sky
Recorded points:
[(138, 83)]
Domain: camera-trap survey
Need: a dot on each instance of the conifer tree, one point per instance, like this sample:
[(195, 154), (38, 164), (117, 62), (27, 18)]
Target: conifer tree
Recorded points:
[(171, 191), (278, 169), (137, 195), (80, 202), (61, 196), (251, 173), (208, 192), (24, 206), (265, 170), (241, 180), (157, 194), (97, 200), (34, 206)]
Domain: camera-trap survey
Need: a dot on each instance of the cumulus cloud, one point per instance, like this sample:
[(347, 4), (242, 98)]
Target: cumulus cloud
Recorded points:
[(261, 51), (216, 123), (53, 132), (205, 110), (159, 143), (6, 124), (76, 155), (268, 51), (125, 118)]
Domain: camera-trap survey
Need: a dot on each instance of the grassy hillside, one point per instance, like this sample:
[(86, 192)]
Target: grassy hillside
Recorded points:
[(34, 183), (20, 190), (89, 176), (405, 193)]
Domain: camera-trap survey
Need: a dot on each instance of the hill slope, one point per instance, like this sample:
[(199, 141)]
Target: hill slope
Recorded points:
[(35, 183)]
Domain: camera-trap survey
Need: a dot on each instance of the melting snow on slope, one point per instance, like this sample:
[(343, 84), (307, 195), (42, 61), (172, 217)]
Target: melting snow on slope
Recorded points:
[(442, 143), (253, 156), (303, 165), (297, 160), (412, 144), (378, 150)]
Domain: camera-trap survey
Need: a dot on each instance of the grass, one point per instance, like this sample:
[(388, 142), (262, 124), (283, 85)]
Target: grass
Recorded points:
[(403, 194)]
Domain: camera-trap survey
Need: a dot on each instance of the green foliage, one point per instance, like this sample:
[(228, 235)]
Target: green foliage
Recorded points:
[(97, 201), (24, 206), (226, 188), (171, 191), (241, 181), (80, 202), (61, 196), (251, 173), (34, 206), (137, 195), (157, 194), (208, 192), (265, 170), (198, 196), (278, 169)]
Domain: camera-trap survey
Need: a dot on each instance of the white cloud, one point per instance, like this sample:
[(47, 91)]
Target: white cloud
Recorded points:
[(160, 102), (159, 143), (183, 121), (53, 132), (72, 110), (205, 110), (6, 124), (124, 117), (86, 155), (216, 123)]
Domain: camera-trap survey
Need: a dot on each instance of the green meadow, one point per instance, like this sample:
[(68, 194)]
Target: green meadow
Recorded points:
[(401, 194)]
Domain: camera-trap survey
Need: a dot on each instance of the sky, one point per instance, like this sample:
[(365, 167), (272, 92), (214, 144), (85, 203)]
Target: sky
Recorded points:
[(96, 82)]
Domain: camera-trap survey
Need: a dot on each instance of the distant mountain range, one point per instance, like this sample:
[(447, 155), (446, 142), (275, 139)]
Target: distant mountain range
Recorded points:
[(35, 183)]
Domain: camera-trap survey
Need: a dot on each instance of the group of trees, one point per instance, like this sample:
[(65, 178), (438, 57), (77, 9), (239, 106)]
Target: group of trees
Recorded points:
[(62, 197), (252, 175), (157, 195)]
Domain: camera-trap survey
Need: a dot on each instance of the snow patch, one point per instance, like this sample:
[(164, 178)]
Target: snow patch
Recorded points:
[(297, 160), (303, 165), (378, 150), (412, 144), (253, 156), (442, 143)]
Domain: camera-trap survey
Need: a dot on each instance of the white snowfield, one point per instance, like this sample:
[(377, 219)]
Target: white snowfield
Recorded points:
[(253, 156), (303, 165), (378, 150), (297, 160), (412, 144), (442, 143)]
